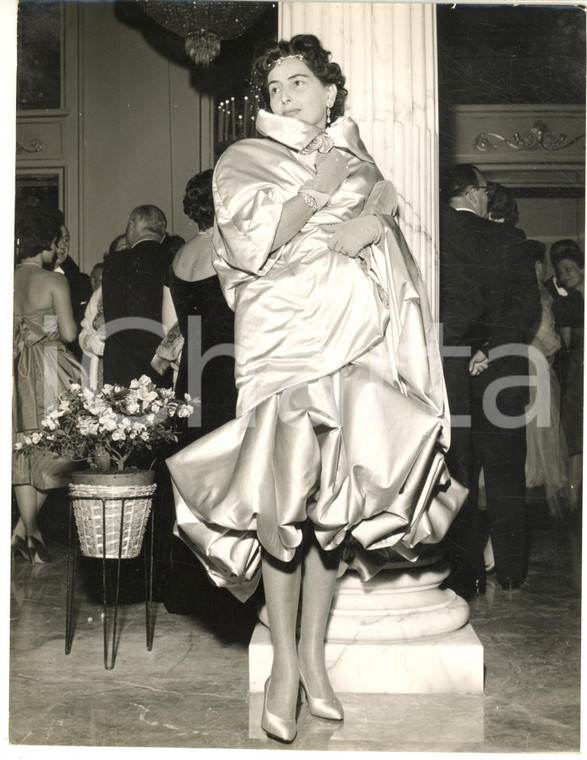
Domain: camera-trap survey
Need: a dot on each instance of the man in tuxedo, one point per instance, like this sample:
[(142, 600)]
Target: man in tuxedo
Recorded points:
[(488, 301), (471, 287), (132, 291)]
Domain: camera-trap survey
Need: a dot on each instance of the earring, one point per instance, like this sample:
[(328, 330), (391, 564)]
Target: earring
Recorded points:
[(327, 116)]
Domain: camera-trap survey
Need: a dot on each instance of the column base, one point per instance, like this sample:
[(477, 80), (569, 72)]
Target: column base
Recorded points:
[(450, 663)]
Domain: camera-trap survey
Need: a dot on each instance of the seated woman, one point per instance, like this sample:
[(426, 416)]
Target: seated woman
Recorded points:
[(43, 368), (341, 419)]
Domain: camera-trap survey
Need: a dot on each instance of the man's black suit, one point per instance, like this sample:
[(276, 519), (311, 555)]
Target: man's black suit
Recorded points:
[(499, 446), (132, 287), (471, 295), (489, 298)]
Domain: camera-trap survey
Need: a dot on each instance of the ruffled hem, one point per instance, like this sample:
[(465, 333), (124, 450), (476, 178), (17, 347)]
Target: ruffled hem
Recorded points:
[(349, 452)]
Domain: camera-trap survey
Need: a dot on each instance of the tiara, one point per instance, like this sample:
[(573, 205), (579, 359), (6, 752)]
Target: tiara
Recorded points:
[(283, 58)]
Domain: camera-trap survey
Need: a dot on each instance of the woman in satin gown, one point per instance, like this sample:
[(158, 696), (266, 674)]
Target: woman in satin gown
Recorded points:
[(336, 454), (43, 368), (546, 458)]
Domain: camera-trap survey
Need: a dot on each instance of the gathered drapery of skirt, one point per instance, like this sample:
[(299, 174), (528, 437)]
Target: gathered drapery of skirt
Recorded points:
[(349, 452)]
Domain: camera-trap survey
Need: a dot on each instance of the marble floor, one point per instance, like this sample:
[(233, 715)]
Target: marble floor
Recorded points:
[(190, 691)]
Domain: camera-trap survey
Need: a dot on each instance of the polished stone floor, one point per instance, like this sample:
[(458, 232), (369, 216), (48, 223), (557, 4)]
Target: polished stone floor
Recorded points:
[(190, 691)]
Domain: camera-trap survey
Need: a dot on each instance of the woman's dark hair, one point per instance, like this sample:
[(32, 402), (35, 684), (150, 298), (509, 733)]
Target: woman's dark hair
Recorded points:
[(502, 204), (198, 202), (577, 256), (172, 244), (560, 248), (316, 59), (113, 247), (537, 250), (35, 230)]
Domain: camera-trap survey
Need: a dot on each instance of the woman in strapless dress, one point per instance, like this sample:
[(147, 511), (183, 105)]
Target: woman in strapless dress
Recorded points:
[(43, 368)]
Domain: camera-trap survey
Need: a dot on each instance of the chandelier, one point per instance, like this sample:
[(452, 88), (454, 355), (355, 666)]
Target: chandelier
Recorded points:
[(204, 23)]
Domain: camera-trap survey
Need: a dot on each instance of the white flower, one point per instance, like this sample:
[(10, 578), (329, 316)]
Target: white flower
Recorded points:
[(185, 411), (18, 446), (28, 440), (88, 394), (147, 398), (49, 424), (107, 388), (108, 422), (118, 435), (87, 426), (133, 407), (145, 435), (36, 437), (75, 387)]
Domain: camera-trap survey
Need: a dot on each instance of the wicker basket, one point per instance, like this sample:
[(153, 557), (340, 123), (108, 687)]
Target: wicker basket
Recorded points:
[(133, 490)]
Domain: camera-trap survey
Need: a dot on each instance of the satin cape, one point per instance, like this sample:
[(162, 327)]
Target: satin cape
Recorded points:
[(341, 416)]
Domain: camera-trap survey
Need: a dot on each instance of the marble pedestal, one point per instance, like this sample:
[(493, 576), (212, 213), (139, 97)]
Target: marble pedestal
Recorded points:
[(397, 633), (445, 664)]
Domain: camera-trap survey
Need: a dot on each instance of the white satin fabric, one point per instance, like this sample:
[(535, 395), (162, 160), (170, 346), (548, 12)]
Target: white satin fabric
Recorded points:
[(342, 415)]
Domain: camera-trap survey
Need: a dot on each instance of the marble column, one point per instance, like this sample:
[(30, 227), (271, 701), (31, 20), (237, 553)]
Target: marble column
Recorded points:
[(398, 632)]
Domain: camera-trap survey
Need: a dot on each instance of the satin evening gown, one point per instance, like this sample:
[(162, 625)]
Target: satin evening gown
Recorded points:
[(546, 456), (341, 411), (43, 368)]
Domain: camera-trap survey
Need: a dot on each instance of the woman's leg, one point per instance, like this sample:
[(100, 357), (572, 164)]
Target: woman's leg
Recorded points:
[(281, 581), (319, 578), (29, 500)]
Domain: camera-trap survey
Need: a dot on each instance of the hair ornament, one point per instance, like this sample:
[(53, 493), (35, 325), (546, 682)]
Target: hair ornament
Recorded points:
[(283, 58)]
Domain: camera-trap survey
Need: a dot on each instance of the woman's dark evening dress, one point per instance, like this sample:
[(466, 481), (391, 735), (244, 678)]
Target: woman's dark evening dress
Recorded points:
[(207, 325), (211, 325), (568, 312)]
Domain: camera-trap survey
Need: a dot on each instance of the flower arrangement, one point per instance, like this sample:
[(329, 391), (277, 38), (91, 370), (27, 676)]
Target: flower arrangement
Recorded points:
[(106, 427)]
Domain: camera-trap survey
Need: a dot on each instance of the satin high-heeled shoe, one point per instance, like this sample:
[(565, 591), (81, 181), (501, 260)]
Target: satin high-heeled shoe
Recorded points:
[(38, 551), (331, 709), (277, 728), (18, 546)]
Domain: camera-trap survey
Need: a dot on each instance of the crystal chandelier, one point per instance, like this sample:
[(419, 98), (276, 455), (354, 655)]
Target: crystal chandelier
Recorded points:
[(204, 23)]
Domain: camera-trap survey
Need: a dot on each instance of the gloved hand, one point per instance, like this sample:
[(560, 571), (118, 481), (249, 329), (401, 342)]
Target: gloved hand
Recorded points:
[(331, 171), (96, 342), (351, 237)]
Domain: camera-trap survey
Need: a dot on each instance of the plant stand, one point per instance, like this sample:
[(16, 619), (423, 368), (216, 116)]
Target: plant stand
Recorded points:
[(111, 513)]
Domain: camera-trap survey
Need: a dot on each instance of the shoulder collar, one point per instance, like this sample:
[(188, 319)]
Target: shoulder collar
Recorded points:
[(296, 134)]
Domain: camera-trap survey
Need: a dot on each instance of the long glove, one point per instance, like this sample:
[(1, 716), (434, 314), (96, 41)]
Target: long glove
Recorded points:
[(352, 236), (331, 171)]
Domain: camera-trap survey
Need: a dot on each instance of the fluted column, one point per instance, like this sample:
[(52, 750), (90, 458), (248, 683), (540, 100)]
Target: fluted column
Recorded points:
[(387, 52)]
